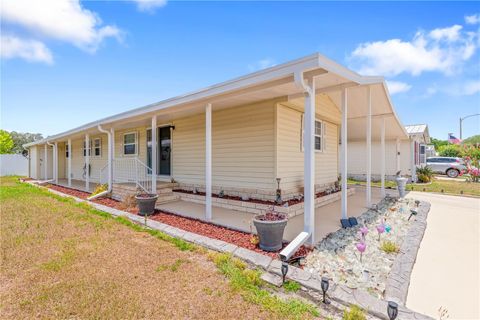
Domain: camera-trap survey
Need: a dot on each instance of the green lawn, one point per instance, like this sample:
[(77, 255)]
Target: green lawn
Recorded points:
[(61, 259), (438, 185)]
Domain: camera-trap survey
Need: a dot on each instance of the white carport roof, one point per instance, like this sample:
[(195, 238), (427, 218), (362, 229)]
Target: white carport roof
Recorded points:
[(274, 82)]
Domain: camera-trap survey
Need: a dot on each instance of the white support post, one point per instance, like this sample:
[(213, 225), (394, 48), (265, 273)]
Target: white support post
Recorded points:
[(413, 167), (69, 162), (45, 163), (112, 134), (344, 161), (154, 154), (55, 162), (309, 161), (87, 162), (397, 154), (208, 162), (369, 148), (382, 157)]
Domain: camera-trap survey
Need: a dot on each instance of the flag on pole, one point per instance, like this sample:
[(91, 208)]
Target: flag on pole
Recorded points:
[(453, 139)]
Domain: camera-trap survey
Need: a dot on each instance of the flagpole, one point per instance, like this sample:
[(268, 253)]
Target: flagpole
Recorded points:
[(461, 120)]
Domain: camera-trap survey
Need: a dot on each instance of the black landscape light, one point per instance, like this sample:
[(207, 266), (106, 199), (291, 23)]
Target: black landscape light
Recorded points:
[(392, 310), (412, 213), (325, 284), (284, 270), (417, 202)]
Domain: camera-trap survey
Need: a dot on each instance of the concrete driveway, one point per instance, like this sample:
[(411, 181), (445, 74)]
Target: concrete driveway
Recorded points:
[(447, 271)]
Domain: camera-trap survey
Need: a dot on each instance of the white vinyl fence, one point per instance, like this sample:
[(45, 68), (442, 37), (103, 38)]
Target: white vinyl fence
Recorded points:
[(13, 164)]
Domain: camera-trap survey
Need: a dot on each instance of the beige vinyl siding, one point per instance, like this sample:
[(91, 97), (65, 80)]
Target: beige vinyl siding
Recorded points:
[(41, 157), (78, 160), (61, 160), (289, 150), (242, 147), (34, 162)]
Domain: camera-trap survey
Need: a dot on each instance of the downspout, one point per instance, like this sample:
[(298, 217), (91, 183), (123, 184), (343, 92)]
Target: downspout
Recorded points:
[(303, 236), (110, 184)]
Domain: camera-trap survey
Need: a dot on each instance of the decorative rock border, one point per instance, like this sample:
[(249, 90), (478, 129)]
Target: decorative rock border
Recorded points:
[(399, 278), (312, 282)]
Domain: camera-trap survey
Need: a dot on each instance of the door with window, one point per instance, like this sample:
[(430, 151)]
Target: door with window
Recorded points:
[(164, 150)]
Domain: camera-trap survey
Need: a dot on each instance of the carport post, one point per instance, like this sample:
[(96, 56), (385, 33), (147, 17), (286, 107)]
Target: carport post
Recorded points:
[(343, 161), (69, 162), (45, 162), (55, 163), (208, 161), (369, 148), (112, 134), (87, 162), (154, 154), (382, 158)]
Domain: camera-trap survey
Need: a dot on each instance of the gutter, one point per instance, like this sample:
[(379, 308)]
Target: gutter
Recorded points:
[(110, 178)]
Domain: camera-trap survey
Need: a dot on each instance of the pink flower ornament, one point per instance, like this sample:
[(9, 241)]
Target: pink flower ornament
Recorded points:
[(361, 247), (380, 230)]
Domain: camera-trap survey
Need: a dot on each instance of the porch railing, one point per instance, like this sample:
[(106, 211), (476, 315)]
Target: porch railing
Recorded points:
[(104, 174), (132, 170)]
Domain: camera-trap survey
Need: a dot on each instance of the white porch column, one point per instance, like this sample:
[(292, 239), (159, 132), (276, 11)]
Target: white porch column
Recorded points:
[(413, 167), (69, 162), (369, 148), (154, 154), (309, 161), (343, 159), (382, 157), (87, 162), (112, 134), (55, 161), (45, 162), (208, 161), (397, 154)]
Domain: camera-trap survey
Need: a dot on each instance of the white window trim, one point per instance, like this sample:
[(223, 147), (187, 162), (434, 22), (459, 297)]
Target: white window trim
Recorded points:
[(93, 147), (322, 136), (136, 144)]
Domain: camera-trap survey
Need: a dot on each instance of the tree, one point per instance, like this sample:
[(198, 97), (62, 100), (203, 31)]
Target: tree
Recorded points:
[(19, 139), (6, 142), (451, 150), (438, 143), (472, 140)]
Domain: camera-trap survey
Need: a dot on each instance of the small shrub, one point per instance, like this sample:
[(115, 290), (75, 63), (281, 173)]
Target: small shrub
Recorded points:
[(389, 247), (100, 188), (424, 174), (355, 313), (450, 150), (128, 202), (291, 286)]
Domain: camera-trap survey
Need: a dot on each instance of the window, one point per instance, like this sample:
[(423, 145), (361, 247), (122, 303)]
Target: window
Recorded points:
[(66, 150), (97, 147), (319, 135), (89, 149), (130, 143)]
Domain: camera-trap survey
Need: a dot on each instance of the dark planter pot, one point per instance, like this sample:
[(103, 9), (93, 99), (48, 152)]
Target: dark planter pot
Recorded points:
[(146, 204), (270, 233)]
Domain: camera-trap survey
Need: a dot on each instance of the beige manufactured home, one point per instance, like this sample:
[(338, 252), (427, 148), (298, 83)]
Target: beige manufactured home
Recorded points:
[(290, 122)]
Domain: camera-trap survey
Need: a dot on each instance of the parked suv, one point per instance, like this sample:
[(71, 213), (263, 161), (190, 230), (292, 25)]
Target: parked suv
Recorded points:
[(446, 165)]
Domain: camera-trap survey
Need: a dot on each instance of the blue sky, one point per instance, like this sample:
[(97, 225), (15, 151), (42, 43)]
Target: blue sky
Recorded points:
[(65, 63)]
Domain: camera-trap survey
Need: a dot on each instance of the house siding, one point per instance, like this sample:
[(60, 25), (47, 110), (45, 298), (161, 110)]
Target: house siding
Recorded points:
[(289, 150)]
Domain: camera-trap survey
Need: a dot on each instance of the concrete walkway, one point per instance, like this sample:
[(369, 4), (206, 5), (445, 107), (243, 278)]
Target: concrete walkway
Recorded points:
[(447, 271)]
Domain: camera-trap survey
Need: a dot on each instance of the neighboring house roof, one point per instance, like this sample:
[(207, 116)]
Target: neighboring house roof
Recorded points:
[(277, 81), (418, 130)]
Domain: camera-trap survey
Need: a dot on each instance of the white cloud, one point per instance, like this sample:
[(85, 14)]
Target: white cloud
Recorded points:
[(449, 34), (149, 5), (63, 20), (473, 19), (443, 50), (397, 87), (262, 64), (28, 49), (470, 87)]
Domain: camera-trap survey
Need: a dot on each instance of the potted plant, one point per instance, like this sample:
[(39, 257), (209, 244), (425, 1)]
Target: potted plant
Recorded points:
[(146, 203), (270, 227)]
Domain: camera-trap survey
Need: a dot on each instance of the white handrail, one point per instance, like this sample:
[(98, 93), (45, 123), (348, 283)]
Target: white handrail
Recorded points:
[(133, 170)]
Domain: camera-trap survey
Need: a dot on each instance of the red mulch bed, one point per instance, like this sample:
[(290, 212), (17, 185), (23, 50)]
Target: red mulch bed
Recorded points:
[(239, 238)]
